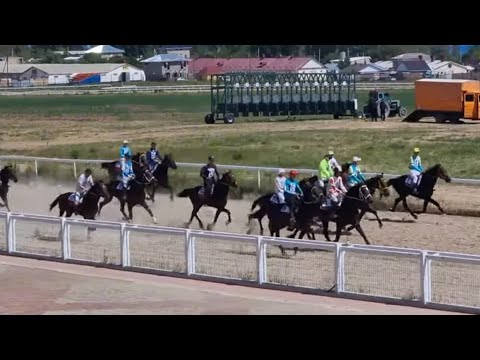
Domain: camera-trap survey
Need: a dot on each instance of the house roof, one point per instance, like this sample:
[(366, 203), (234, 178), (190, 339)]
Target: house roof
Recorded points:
[(359, 68), (332, 67), (284, 64), (59, 69), (387, 65), (413, 66), (177, 47), (437, 65), (412, 56), (104, 49), (165, 58)]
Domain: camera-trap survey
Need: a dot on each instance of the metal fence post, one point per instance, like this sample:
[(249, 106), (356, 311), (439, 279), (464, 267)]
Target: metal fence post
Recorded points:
[(65, 239), (125, 245), (74, 169), (189, 253), (259, 179), (339, 268), (8, 231), (261, 261), (36, 168), (425, 278)]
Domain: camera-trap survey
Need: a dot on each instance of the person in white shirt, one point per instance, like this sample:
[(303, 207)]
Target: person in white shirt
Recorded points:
[(336, 190), (84, 183), (333, 162), (280, 186)]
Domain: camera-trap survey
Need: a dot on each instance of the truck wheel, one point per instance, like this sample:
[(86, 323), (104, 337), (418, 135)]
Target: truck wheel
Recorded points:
[(229, 119), (209, 119), (402, 112), (440, 119), (359, 115)]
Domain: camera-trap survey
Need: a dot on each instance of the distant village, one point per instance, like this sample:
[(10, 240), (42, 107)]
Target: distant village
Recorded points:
[(175, 63)]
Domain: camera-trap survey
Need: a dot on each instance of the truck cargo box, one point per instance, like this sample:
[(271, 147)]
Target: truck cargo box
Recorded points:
[(443, 94)]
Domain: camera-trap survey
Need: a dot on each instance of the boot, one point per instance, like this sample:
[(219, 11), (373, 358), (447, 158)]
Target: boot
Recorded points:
[(124, 195)]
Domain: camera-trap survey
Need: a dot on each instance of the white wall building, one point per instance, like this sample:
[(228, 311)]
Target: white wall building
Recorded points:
[(313, 67), (447, 68)]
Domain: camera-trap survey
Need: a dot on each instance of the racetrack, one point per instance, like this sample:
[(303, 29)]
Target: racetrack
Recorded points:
[(374, 274)]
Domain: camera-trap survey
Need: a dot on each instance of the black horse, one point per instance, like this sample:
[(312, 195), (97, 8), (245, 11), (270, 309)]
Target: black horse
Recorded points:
[(312, 193), (135, 195), (218, 199), (424, 191), (357, 199), (87, 208), (161, 176), (6, 174)]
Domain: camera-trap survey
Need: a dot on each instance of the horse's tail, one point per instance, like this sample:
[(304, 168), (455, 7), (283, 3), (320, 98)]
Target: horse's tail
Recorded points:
[(185, 193), (54, 203), (256, 203), (390, 182)]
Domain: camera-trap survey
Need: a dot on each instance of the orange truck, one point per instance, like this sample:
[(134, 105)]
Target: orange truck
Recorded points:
[(446, 100)]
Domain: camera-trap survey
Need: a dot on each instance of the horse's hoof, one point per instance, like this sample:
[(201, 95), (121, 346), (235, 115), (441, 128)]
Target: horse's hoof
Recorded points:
[(209, 227), (380, 226), (154, 220), (391, 210), (227, 223), (186, 225)]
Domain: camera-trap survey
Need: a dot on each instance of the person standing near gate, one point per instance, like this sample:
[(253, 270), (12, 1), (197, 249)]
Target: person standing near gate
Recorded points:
[(383, 109)]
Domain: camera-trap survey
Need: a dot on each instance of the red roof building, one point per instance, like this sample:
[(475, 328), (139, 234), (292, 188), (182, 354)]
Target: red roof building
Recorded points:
[(205, 67)]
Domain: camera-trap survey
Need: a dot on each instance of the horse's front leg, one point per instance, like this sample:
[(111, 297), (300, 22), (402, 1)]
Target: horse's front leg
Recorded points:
[(229, 216), (395, 204), (362, 233), (122, 209), (405, 206), (217, 214), (425, 204), (145, 206), (170, 188), (325, 230), (371, 211), (105, 201)]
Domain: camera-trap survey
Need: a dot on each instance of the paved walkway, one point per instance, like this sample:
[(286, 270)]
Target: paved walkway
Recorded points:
[(41, 287)]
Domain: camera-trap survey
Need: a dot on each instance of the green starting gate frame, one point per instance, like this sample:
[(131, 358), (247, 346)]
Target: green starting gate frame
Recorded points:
[(281, 94)]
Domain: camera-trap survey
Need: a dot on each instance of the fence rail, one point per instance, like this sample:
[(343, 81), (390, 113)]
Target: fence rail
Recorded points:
[(258, 169), (109, 89), (338, 264)]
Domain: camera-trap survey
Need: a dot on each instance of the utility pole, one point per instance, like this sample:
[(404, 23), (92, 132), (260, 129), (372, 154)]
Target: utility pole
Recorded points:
[(258, 51)]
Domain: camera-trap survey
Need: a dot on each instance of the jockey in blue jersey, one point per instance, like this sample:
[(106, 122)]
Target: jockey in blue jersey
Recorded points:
[(355, 175), (292, 192), (124, 150), (416, 168), (127, 174), (153, 157)]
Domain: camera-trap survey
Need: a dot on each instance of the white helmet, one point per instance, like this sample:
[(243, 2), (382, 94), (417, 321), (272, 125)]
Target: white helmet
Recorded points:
[(281, 171), (356, 159)]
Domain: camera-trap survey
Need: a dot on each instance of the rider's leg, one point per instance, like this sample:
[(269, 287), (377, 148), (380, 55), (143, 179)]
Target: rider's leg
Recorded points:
[(77, 201)]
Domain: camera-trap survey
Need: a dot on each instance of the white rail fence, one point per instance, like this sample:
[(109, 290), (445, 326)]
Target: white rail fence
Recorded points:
[(430, 279), (258, 169), (79, 90)]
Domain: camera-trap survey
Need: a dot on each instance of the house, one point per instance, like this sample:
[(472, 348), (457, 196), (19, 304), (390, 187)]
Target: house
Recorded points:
[(54, 74), (366, 71), (412, 69), (354, 60), (11, 59), (205, 68), (332, 68), (180, 50), (166, 67), (445, 69), (387, 65)]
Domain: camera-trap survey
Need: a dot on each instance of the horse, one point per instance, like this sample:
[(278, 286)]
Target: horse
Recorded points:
[(311, 192), (135, 195), (87, 208), (161, 176), (218, 199), (357, 199), (6, 174), (425, 189)]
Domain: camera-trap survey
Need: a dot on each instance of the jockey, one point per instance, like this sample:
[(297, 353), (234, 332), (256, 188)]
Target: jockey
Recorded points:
[(209, 175), (280, 186), (333, 162), (124, 150), (324, 169), (415, 167), (127, 174), (336, 190), (292, 191), (355, 175), (153, 157), (84, 183)]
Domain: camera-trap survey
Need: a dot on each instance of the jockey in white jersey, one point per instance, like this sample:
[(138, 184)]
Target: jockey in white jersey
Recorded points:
[(84, 183), (333, 162), (280, 186), (415, 167), (336, 190)]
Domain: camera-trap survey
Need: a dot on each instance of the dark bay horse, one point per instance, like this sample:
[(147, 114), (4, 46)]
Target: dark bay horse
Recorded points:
[(312, 193), (218, 199), (112, 167), (161, 176), (357, 199), (6, 174), (425, 189), (135, 195), (87, 208)]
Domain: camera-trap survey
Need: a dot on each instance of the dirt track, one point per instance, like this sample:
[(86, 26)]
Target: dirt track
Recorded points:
[(371, 274)]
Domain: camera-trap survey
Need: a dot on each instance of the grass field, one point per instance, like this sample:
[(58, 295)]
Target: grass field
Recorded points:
[(93, 126)]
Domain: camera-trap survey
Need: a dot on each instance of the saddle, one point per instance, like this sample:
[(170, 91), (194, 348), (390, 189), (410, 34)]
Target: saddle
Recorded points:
[(71, 198), (409, 181), (201, 192)]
